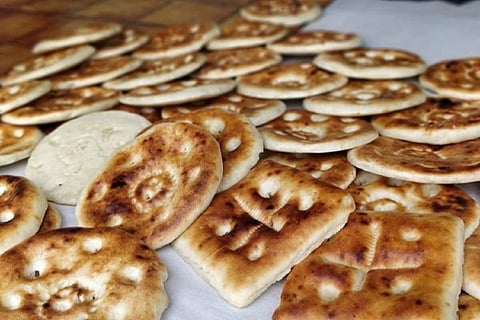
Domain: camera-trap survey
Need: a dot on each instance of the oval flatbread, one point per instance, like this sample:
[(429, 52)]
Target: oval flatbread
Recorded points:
[(63, 105), (301, 131), (418, 162), (14, 96), (46, 64), (436, 121), (240, 33), (155, 186), (372, 63), (177, 40), (122, 43), (17, 142), (94, 72), (67, 158), (177, 92), (289, 81), (22, 208), (239, 140), (285, 12), (52, 220), (366, 97), (312, 42), (459, 78), (76, 35), (80, 273)]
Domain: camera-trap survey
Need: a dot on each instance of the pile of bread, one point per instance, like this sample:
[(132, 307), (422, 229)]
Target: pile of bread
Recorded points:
[(183, 137)]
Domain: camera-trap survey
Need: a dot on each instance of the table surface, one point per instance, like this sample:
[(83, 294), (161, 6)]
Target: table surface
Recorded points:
[(436, 30)]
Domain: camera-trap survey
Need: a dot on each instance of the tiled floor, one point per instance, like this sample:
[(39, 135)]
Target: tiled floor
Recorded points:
[(23, 22)]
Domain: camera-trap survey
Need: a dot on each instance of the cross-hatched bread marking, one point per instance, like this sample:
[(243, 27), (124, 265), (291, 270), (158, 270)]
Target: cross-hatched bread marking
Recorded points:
[(81, 273), (380, 265), (377, 193), (156, 185), (253, 233), (22, 209)]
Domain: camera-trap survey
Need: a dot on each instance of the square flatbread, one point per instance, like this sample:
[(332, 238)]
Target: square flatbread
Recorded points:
[(418, 162), (253, 233), (380, 266)]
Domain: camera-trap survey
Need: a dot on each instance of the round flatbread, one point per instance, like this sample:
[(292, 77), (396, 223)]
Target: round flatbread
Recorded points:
[(239, 140), (149, 113), (63, 105), (289, 81), (301, 131), (285, 12), (78, 273), (76, 35), (69, 157), (459, 78), (236, 62), (153, 72), (125, 42), (51, 221), (22, 208), (312, 42), (17, 95), (468, 307), (258, 111), (177, 40), (374, 193), (240, 33), (372, 63), (155, 186), (436, 121), (17, 142), (177, 92), (331, 168), (471, 275), (94, 72), (46, 64), (366, 97), (424, 163)]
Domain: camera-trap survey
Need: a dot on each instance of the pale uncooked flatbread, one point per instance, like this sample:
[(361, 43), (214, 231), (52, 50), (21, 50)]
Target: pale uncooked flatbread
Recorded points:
[(380, 266), (372, 63), (377, 193), (289, 81), (252, 234), (309, 42), (158, 71), (177, 40), (46, 64), (236, 62), (436, 121), (240, 33), (239, 140), (458, 78), (424, 163), (17, 142), (177, 92), (63, 105), (68, 158), (285, 12), (76, 35), (94, 72), (155, 186), (82, 273), (366, 97), (301, 131), (17, 95), (125, 42), (23, 206)]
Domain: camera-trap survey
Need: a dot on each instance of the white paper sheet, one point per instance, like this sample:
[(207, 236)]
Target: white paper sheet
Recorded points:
[(436, 30)]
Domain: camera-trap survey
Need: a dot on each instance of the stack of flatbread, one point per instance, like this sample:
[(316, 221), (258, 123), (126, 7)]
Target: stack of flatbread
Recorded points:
[(182, 137)]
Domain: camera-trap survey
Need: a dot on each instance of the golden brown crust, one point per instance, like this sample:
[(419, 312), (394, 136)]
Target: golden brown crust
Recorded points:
[(52, 220), (253, 233), (424, 163), (380, 266), (17, 142), (155, 186), (80, 272)]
